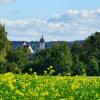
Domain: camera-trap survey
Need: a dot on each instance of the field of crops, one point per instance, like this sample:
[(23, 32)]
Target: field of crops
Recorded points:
[(33, 87)]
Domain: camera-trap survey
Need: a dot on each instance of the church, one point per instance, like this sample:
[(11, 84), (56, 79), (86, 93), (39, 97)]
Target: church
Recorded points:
[(41, 45)]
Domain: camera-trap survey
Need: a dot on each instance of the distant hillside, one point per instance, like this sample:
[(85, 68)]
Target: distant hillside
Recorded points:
[(35, 44)]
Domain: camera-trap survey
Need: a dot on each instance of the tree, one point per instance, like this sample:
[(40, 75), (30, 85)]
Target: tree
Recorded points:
[(78, 67), (18, 58), (89, 53), (4, 44), (59, 56), (93, 66)]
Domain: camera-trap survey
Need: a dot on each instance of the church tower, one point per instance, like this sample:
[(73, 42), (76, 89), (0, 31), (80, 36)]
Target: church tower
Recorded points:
[(42, 43)]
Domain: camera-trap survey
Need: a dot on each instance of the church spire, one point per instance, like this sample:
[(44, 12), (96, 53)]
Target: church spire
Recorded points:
[(42, 43), (42, 39)]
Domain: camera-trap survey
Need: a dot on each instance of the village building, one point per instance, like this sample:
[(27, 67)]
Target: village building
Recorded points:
[(41, 45)]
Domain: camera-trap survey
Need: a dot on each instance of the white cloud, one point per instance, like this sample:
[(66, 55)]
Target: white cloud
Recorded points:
[(85, 14), (98, 10), (71, 12), (69, 25)]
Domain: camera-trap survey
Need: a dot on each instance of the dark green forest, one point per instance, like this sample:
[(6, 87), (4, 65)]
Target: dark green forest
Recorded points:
[(79, 59)]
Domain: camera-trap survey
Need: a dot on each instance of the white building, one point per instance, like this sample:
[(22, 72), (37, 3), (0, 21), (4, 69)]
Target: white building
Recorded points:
[(27, 45), (42, 43)]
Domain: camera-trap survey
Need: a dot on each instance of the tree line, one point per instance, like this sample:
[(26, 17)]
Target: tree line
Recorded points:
[(79, 59)]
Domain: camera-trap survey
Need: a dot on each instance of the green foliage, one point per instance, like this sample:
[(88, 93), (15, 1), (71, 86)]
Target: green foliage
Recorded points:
[(10, 67), (4, 45), (19, 57), (89, 53), (76, 61), (59, 56), (78, 67), (94, 66), (49, 71)]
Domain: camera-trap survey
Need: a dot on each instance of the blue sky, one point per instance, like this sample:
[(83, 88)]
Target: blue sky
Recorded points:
[(42, 8), (56, 19)]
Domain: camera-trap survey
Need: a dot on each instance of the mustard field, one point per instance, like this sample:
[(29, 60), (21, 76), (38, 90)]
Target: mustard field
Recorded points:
[(33, 87)]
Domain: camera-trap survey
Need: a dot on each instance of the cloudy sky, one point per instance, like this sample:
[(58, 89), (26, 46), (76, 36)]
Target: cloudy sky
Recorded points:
[(56, 19)]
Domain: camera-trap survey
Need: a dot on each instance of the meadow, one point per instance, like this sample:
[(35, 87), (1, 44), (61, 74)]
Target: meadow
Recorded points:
[(33, 87)]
